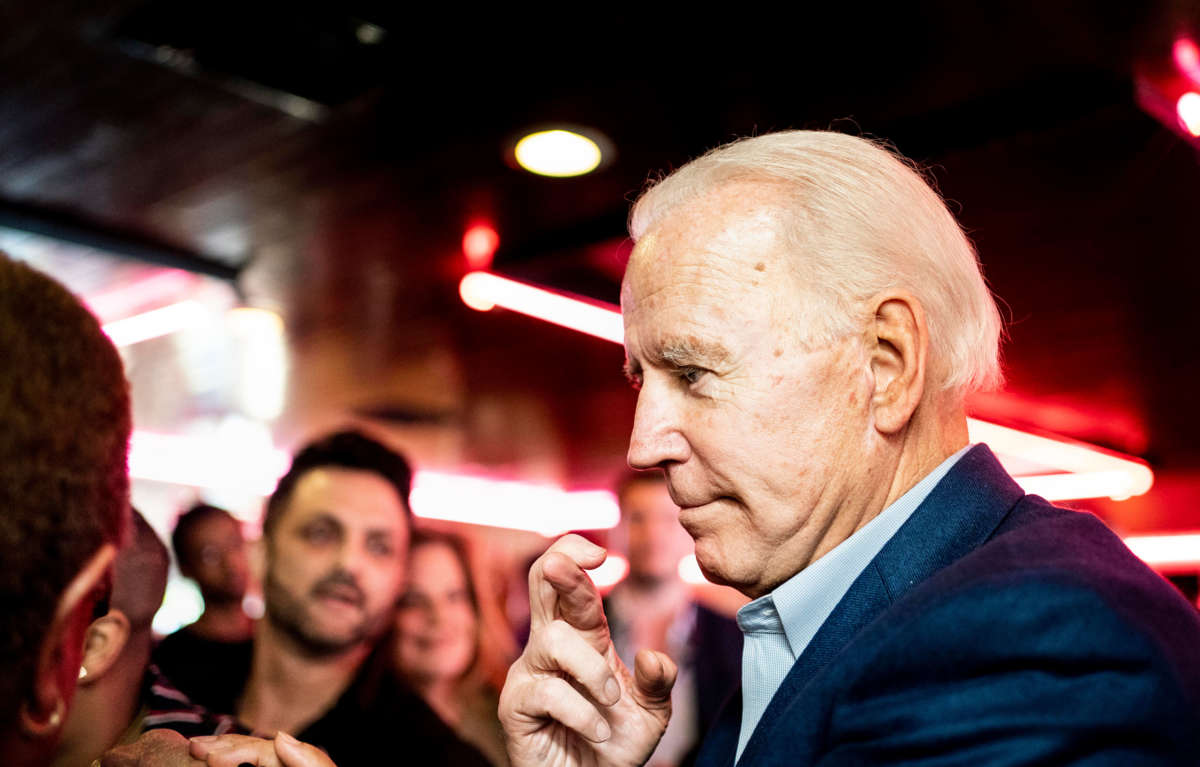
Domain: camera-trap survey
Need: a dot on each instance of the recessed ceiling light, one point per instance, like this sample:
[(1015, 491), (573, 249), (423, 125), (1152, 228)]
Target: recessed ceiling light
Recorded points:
[(558, 153), (370, 34)]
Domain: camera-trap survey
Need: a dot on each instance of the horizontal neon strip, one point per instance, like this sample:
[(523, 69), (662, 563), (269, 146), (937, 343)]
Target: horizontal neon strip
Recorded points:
[(131, 296), (1092, 473), (209, 462), (543, 509), (155, 323), (483, 291), (1167, 551), (222, 464), (1089, 472)]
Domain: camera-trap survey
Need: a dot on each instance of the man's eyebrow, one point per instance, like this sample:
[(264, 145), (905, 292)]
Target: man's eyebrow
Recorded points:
[(683, 351), (323, 518), (679, 352)]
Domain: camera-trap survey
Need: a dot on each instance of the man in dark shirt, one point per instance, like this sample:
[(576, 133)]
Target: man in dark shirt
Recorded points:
[(211, 550), (335, 542)]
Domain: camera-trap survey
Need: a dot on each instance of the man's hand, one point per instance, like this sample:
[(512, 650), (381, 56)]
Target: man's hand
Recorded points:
[(569, 701), (157, 748), (234, 750)]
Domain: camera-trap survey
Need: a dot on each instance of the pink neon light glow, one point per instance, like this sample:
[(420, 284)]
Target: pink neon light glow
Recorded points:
[(1072, 469), (484, 290), (216, 463), (123, 301), (1187, 58), (1167, 552), (208, 462), (479, 245), (1187, 108), (610, 572), (155, 323), (1082, 471), (543, 509)]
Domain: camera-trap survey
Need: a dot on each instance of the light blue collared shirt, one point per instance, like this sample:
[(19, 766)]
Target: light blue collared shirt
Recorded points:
[(778, 626)]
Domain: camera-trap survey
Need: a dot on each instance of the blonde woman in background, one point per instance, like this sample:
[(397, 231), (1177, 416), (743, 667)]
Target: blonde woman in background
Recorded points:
[(451, 643)]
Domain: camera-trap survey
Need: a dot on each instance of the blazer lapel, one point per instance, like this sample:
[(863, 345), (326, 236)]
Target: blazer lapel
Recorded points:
[(959, 514)]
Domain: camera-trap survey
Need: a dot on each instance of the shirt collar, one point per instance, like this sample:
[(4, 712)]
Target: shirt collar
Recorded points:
[(802, 603)]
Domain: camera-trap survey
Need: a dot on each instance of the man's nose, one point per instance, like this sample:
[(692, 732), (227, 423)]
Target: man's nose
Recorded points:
[(657, 438), (351, 557)]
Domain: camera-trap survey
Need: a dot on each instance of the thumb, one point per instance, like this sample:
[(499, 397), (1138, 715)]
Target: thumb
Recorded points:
[(293, 753), (654, 675)]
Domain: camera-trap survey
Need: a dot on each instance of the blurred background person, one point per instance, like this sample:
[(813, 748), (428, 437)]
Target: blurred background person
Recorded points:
[(64, 496), (211, 550), (333, 558), (652, 607), (452, 644), (119, 694)]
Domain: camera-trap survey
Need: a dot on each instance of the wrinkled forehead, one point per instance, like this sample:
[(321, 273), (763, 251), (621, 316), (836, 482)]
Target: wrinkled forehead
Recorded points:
[(731, 237)]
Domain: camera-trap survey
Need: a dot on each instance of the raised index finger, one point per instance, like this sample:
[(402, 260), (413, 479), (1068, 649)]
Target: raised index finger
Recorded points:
[(559, 587)]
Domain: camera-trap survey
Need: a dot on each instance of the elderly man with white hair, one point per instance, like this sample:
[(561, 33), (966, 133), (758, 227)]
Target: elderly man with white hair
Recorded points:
[(803, 320)]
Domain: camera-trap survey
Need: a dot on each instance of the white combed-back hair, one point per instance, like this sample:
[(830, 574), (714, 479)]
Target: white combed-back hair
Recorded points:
[(858, 220)]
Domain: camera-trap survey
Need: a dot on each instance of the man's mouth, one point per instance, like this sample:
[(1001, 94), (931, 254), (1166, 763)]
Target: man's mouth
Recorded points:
[(695, 502), (340, 593)]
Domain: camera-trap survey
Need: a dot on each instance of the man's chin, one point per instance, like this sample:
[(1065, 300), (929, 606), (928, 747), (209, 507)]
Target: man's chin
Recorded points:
[(326, 642), (711, 569)]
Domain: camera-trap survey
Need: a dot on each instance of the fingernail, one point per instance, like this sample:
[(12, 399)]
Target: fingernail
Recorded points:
[(281, 735), (612, 691), (203, 738), (602, 731)]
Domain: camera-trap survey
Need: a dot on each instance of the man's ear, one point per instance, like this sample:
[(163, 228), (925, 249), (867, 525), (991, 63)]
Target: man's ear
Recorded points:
[(102, 646), (898, 359), (57, 670)]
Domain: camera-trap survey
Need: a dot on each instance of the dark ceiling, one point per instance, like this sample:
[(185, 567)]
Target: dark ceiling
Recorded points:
[(333, 177)]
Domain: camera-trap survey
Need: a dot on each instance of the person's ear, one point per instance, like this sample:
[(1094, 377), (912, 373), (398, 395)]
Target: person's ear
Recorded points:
[(102, 646), (56, 671), (898, 359)]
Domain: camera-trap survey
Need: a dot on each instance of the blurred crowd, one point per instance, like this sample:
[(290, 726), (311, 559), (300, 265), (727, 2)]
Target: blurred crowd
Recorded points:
[(375, 630)]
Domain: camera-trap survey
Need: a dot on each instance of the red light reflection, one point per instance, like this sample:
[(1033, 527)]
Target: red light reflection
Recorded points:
[(1187, 58), (479, 245)]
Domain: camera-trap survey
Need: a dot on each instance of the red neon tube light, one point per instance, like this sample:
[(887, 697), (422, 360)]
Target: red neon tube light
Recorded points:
[(1075, 470)]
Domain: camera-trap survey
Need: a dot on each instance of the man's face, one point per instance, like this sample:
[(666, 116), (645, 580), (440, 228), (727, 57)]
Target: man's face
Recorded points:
[(656, 542), (762, 441), (217, 559), (336, 558)]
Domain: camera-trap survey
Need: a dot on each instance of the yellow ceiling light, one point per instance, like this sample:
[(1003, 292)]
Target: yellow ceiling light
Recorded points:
[(558, 153)]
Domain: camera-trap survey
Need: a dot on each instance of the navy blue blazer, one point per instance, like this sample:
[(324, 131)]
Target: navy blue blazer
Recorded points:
[(993, 629)]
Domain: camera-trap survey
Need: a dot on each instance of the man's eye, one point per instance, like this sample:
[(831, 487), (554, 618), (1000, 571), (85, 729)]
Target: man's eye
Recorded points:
[(318, 534), (691, 374), (380, 548)]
